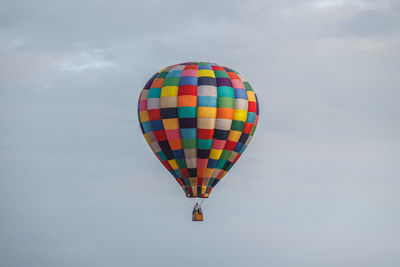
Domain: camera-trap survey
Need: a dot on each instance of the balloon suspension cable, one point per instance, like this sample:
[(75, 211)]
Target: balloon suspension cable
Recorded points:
[(193, 201), (207, 201), (214, 196), (190, 201)]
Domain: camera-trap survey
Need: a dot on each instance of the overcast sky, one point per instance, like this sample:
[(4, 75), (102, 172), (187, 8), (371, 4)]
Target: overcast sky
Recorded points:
[(318, 186)]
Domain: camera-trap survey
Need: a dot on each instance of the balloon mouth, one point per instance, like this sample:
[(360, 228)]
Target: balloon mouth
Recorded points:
[(205, 196), (197, 191)]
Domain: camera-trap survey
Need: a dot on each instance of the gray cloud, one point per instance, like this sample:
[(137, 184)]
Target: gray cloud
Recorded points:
[(80, 187)]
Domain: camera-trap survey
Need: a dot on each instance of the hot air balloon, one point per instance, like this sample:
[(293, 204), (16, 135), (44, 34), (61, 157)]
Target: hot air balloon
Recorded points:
[(198, 118)]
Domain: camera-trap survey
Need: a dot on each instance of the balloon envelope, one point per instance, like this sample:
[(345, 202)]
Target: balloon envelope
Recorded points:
[(198, 118)]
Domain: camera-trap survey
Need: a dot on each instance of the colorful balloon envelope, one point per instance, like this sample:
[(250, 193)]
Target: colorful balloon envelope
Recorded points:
[(198, 118)]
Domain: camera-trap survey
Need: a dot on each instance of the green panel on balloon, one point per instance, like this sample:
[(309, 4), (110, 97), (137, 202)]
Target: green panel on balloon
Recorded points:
[(225, 91), (187, 112), (171, 81), (226, 102), (237, 125), (221, 74), (189, 143), (204, 143)]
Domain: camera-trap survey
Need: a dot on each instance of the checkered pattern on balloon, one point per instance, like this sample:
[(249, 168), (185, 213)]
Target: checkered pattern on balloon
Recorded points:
[(198, 118)]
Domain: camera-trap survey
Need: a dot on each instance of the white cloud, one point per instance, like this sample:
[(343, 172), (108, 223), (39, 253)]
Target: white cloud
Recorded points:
[(85, 60), (363, 4)]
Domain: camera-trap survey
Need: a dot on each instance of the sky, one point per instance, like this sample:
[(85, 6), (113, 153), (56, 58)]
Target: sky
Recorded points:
[(317, 186)]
